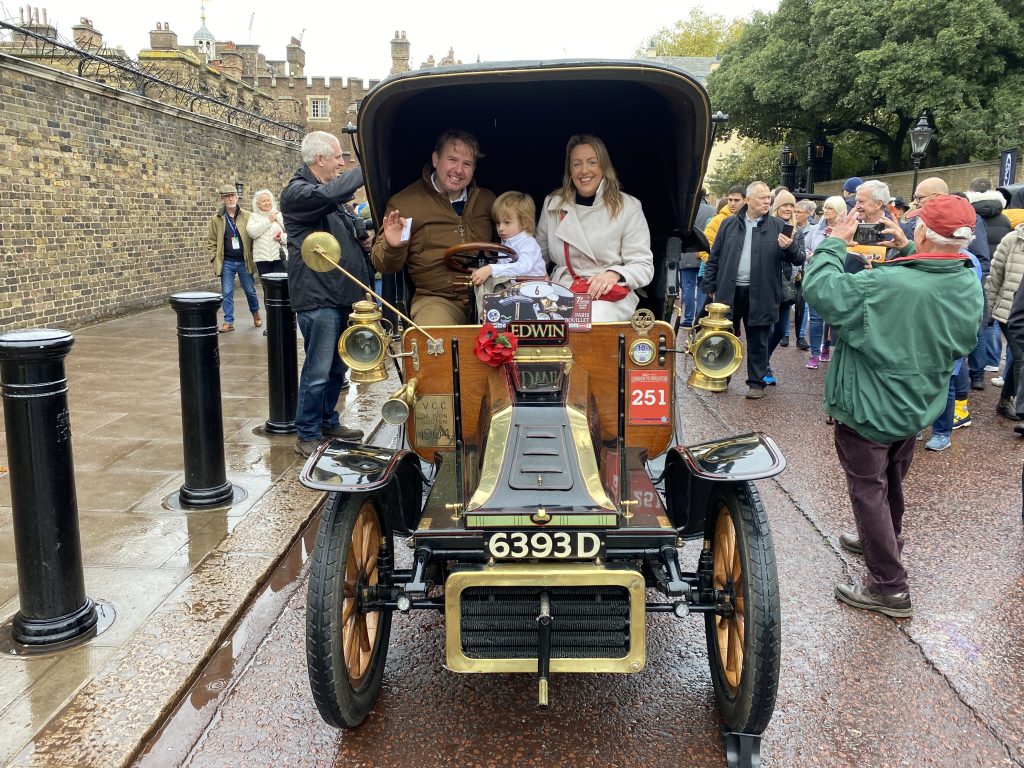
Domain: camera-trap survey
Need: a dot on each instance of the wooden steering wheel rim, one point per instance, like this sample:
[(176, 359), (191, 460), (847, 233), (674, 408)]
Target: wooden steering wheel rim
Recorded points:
[(451, 254)]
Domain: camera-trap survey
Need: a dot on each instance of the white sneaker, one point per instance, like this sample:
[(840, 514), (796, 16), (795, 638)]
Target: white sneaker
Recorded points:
[(991, 368), (998, 381)]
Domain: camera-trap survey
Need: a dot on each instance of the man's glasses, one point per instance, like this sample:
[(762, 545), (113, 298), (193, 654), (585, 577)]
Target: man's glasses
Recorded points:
[(922, 198)]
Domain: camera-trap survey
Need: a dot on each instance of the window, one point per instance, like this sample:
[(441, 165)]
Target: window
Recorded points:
[(319, 108)]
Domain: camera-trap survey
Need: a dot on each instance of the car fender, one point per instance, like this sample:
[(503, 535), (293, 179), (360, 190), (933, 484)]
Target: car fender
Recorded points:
[(691, 470), (339, 466)]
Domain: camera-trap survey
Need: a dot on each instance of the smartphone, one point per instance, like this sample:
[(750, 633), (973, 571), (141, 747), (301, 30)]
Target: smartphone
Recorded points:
[(787, 230)]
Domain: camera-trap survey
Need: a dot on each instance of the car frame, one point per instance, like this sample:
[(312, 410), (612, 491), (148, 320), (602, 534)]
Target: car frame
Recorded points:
[(543, 496)]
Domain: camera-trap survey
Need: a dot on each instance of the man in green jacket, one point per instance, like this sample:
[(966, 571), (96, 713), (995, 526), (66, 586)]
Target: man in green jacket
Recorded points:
[(901, 325)]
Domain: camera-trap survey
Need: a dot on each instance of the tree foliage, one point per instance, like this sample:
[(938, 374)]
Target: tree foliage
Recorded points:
[(700, 34), (751, 161), (817, 69)]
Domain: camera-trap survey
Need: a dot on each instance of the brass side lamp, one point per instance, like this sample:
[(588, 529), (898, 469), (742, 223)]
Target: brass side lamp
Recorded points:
[(364, 344), (716, 352)]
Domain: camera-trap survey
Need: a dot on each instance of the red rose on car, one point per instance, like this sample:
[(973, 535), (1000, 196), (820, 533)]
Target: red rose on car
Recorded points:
[(493, 347)]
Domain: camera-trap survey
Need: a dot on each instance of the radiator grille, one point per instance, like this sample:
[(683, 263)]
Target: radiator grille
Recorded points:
[(586, 622)]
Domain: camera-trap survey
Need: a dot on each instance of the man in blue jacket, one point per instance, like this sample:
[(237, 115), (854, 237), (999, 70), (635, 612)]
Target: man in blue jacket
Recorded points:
[(901, 326), (314, 201)]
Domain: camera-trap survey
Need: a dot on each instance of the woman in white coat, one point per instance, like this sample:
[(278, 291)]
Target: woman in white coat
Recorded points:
[(592, 232), (266, 228)]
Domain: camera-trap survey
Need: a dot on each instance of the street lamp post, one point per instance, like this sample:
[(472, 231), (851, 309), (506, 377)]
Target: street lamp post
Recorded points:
[(920, 137), (787, 167)]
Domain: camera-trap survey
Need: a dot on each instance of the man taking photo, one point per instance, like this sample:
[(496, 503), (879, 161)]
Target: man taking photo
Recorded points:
[(901, 326)]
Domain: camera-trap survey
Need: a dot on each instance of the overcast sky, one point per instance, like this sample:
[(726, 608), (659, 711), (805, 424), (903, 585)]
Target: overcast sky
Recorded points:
[(353, 39)]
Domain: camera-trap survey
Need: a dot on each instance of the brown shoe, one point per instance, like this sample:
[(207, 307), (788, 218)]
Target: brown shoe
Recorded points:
[(226, 328), (850, 543), (345, 433), (898, 606), (306, 447), (256, 319)]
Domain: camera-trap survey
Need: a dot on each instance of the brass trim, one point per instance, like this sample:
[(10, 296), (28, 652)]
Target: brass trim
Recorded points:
[(524, 520), (543, 354), (563, 575), (493, 459), (586, 458), (637, 342)]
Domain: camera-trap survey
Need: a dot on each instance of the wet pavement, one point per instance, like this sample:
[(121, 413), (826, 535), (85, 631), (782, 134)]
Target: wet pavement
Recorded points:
[(176, 580), (857, 689)]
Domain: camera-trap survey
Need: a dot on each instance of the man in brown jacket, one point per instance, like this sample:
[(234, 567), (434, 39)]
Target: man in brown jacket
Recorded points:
[(230, 250), (445, 209)]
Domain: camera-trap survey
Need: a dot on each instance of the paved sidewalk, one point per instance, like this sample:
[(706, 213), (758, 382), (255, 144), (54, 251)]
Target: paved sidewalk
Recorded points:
[(175, 579)]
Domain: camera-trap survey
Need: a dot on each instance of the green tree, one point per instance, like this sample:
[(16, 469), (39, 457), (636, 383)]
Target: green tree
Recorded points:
[(821, 69), (752, 161), (700, 34)]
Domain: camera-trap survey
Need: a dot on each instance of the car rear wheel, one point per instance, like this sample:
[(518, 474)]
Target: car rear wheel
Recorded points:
[(744, 643), (347, 645)]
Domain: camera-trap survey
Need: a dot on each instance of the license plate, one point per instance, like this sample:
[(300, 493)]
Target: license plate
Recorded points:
[(561, 545)]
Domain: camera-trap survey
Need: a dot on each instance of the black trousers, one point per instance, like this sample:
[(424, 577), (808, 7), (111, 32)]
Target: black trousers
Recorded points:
[(757, 338)]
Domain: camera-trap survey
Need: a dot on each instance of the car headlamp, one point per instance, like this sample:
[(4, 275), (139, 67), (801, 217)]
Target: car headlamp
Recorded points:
[(716, 352), (364, 344)]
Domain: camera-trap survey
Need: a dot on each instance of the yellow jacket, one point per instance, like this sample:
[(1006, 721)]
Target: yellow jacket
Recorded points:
[(711, 230), (1015, 215)]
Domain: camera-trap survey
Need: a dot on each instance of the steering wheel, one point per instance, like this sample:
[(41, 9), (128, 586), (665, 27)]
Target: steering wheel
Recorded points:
[(458, 257)]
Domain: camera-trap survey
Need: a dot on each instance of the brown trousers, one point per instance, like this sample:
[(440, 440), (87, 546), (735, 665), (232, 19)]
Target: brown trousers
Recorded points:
[(874, 478)]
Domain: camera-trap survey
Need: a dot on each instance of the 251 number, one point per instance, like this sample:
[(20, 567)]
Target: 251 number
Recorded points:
[(649, 397)]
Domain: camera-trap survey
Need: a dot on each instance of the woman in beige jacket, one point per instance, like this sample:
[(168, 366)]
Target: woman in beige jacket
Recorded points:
[(1004, 278), (598, 229)]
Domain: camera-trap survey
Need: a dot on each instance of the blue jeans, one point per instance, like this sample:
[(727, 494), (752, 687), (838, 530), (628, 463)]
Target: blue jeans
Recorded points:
[(993, 343), (323, 372), (227, 288), (944, 424), (688, 285), (780, 330), (816, 329)]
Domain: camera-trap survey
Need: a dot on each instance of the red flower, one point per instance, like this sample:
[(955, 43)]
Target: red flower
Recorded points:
[(494, 348)]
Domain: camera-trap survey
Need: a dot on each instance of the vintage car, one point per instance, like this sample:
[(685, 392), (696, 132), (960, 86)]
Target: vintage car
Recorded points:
[(545, 497)]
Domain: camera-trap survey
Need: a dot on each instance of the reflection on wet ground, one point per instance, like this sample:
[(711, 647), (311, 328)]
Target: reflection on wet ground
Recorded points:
[(125, 412), (856, 689)]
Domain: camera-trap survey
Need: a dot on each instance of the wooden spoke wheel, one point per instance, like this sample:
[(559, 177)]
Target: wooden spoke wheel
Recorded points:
[(346, 644), (744, 637)]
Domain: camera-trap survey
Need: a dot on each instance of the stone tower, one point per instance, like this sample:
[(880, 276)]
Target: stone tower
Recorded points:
[(204, 41), (399, 54), (296, 58)]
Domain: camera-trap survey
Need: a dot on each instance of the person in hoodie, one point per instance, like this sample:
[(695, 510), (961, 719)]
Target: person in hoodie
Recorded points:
[(901, 326), (989, 204), (314, 201)]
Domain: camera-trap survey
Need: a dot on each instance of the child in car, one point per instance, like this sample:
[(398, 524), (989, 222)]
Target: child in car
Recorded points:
[(514, 215)]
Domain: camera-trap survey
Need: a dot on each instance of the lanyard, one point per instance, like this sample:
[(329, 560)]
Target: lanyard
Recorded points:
[(231, 223)]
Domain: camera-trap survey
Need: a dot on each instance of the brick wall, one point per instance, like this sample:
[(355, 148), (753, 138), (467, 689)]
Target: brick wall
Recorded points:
[(105, 196), (956, 176)]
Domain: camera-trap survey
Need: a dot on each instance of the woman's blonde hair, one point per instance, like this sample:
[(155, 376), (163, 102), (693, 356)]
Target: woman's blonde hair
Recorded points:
[(837, 204), (612, 194)]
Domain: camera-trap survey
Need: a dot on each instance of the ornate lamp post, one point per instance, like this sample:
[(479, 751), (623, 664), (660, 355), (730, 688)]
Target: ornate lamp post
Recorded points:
[(787, 167), (920, 137)]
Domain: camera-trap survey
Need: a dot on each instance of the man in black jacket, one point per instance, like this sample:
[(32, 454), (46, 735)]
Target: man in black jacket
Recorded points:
[(744, 271), (314, 201)]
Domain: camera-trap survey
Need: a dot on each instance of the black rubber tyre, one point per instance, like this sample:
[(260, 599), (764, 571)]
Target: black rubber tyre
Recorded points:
[(346, 648), (743, 649)]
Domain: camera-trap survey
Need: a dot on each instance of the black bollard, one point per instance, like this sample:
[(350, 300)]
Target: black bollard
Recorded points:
[(282, 356), (47, 543), (202, 423)]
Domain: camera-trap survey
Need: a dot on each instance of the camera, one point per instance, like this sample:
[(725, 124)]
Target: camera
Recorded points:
[(869, 234)]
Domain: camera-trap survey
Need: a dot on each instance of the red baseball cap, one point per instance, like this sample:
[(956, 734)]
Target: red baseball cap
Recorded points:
[(949, 216)]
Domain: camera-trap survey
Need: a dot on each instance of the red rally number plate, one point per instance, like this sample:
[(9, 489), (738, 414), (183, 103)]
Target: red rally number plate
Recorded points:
[(649, 397)]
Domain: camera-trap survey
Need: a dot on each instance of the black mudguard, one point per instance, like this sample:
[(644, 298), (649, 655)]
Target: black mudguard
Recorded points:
[(690, 471), (343, 467)]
